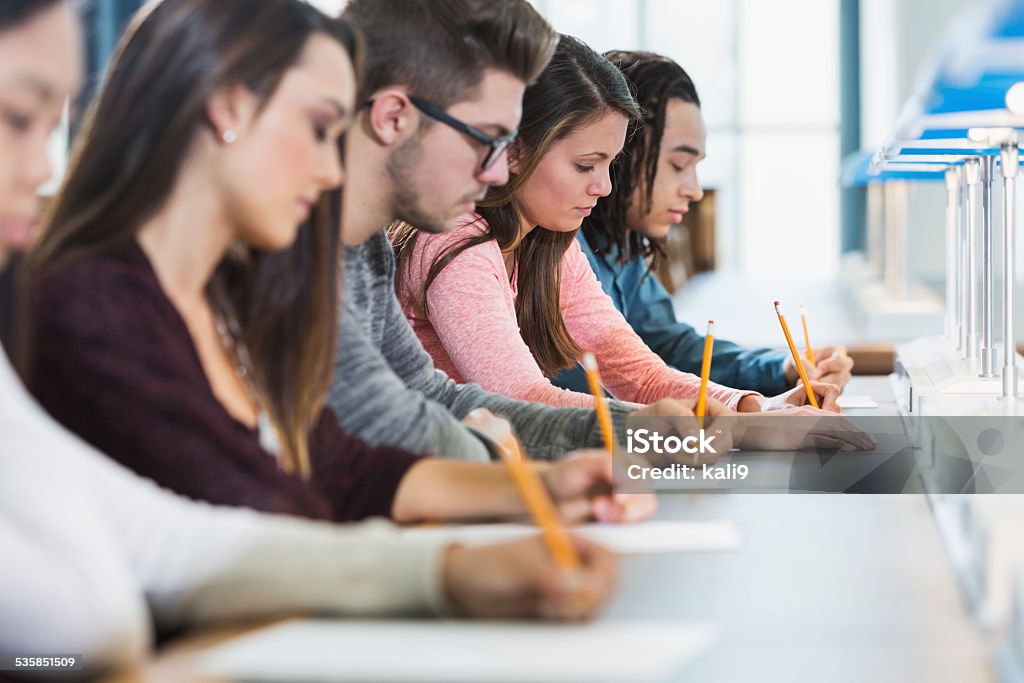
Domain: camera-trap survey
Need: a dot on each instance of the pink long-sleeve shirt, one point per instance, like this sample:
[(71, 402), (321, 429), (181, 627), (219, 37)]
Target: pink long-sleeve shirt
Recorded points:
[(472, 332)]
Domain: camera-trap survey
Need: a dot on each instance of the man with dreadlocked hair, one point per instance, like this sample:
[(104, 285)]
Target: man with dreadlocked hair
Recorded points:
[(655, 183)]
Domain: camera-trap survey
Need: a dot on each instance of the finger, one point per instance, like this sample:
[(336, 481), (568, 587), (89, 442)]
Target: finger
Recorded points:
[(833, 364), (828, 396), (840, 379), (857, 436), (847, 432), (583, 470), (636, 506), (582, 593), (606, 510), (812, 371), (835, 349), (576, 510), (600, 567)]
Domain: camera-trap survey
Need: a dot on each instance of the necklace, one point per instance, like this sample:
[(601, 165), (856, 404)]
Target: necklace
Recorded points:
[(230, 334)]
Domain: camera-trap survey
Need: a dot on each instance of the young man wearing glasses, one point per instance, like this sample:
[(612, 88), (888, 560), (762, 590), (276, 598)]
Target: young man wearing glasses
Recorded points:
[(443, 83)]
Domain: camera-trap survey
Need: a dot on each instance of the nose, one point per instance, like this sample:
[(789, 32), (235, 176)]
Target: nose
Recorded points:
[(602, 184), (38, 169), (691, 189), (330, 172), (497, 173)]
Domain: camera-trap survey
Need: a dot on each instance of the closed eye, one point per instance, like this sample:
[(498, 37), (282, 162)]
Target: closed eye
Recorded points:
[(18, 122)]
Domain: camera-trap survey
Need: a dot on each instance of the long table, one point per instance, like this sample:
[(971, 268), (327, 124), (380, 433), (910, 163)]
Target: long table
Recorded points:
[(822, 588)]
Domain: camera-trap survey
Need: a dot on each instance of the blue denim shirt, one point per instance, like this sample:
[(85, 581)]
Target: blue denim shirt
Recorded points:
[(646, 304)]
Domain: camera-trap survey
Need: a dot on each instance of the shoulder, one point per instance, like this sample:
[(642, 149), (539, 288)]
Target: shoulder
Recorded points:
[(97, 286), (108, 295), (486, 256), (371, 259), (574, 260)]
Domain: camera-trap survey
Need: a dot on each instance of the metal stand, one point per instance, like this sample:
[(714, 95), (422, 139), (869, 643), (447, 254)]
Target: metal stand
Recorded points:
[(988, 342), (972, 175), (1008, 158), (953, 284)]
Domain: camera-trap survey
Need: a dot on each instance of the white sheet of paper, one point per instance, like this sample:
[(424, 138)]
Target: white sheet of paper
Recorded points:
[(318, 650), (854, 401), (627, 539)]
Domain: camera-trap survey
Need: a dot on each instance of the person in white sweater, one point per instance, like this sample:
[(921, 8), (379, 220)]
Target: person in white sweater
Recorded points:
[(91, 550)]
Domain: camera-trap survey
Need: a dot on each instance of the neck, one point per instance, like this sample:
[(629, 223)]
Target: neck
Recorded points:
[(187, 238), (526, 226), (368, 180)]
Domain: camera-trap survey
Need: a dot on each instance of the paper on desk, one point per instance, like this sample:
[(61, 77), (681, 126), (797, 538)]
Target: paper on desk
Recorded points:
[(627, 539), (318, 650), (854, 401)]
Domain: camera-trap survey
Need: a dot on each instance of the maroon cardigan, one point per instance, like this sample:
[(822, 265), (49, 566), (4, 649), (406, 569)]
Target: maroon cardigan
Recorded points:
[(114, 362)]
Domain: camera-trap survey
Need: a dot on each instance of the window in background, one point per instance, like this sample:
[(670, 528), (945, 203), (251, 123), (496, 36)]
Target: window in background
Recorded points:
[(767, 74), (789, 136)]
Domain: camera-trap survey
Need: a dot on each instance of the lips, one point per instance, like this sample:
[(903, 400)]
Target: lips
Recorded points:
[(18, 232)]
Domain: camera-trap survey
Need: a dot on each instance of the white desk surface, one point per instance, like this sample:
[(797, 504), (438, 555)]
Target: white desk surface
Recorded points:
[(822, 588)]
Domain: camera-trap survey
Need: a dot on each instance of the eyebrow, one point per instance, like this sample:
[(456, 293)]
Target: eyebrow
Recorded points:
[(41, 88), (687, 149), (599, 155), (339, 108), (496, 127)]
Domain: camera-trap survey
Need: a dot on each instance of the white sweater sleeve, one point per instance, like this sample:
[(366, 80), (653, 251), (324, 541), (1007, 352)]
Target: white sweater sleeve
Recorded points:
[(86, 544)]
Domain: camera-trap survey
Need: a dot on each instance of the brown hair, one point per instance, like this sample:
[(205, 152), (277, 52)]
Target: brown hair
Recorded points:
[(654, 81), (577, 87), (440, 49), (174, 55), (14, 13)]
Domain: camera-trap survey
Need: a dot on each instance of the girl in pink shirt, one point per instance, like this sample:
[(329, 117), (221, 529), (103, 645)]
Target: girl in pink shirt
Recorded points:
[(508, 299)]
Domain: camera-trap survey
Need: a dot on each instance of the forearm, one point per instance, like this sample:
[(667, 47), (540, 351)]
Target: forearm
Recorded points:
[(374, 402), (436, 489), (198, 563)]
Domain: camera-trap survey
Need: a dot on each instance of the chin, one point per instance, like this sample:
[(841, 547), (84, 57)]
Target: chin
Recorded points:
[(277, 240), (655, 232)]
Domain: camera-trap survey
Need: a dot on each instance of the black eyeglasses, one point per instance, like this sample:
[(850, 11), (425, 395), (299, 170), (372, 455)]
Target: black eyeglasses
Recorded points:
[(496, 145)]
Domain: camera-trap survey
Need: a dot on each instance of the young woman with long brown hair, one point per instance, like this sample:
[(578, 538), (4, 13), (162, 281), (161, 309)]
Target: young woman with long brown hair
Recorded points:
[(655, 184), (93, 555), (184, 290), (508, 299)]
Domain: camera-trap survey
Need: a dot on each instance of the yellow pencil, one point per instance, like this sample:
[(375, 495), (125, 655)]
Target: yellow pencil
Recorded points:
[(807, 337), (705, 373), (542, 510), (604, 416), (811, 398)]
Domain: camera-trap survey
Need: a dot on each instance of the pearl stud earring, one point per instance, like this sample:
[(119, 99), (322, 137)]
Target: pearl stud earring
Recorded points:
[(229, 136)]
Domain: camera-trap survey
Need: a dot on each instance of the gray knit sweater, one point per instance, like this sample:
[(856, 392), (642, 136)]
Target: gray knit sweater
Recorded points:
[(386, 389)]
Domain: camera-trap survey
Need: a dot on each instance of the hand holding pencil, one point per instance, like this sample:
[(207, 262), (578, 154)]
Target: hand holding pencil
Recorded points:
[(828, 393), (828, 364)]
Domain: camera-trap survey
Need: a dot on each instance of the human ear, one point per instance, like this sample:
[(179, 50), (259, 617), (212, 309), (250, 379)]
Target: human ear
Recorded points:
[(390, 115), (230, 112)]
